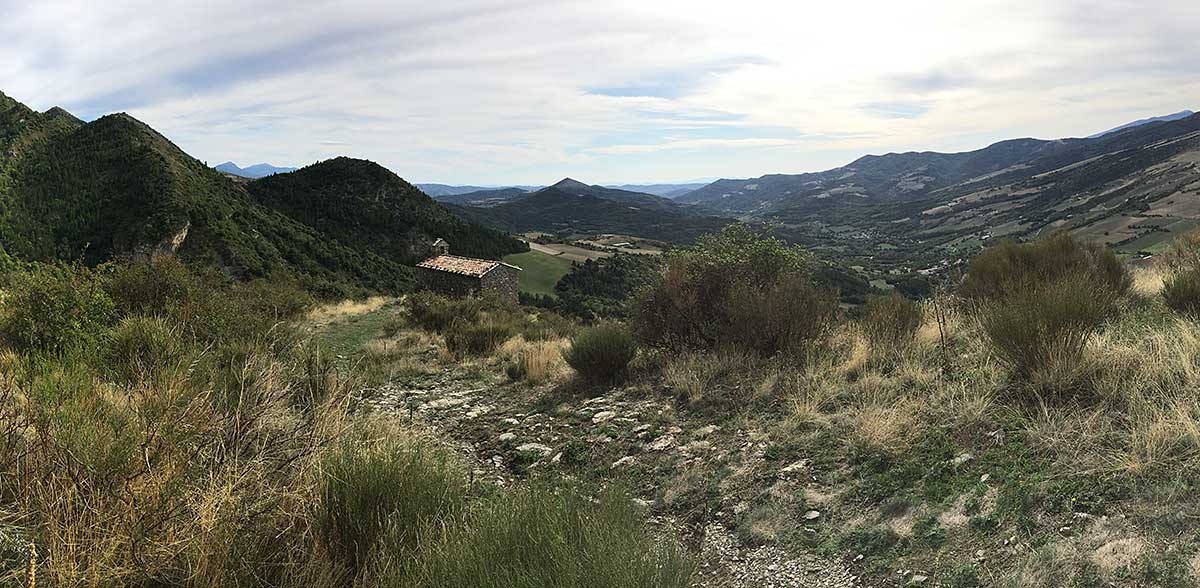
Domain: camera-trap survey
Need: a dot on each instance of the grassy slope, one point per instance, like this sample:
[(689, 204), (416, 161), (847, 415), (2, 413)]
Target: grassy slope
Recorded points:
[(541, 271), (946, 474)]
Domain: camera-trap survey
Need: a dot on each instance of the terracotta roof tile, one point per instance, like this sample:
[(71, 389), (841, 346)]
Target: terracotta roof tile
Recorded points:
[(459, 265)]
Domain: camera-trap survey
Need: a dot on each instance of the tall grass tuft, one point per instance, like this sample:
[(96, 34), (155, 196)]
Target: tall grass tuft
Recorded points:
[(891, 322), (543, 537), (393, 489), (1181, 292)]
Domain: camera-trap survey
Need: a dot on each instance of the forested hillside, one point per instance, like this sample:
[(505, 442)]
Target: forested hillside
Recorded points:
[(115, 187)]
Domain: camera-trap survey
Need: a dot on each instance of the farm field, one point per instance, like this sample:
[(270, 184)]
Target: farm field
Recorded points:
[(540, 270)]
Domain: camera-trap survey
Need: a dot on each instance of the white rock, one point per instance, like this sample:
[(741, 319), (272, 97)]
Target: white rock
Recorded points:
[(603, 417), (506, 437), (812, 515), (624, 461), (661, 444), (534, 448), (985, 477)]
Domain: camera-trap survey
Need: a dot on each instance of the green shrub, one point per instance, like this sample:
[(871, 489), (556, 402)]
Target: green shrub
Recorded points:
[(543, 538), (54, 306), (397, 490), (602, 353), (891, 321), (1042, 332), (738, 289), (1012, 268), (140, 347), (153, 288), (436, 313), (1181, 292), (481, 338)]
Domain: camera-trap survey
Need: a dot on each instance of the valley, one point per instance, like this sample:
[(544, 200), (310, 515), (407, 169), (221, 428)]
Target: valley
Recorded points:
[(857, 377)]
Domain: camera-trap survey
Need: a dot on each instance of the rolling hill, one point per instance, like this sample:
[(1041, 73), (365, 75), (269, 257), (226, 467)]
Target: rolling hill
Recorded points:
[(573, 206), (483, 198), (664, 190), (115, 187), (1131, 189)]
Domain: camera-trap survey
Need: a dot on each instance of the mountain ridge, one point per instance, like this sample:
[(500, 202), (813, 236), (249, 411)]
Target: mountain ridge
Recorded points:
[(256, 171), (115, 187)]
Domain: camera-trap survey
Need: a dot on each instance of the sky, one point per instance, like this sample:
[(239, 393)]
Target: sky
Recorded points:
[(605, 91)]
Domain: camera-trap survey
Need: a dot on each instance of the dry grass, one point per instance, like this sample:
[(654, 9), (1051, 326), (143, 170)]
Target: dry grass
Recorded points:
[(697, 376), (1139, 383), (328, 313), (1148, 282), (537, 362)]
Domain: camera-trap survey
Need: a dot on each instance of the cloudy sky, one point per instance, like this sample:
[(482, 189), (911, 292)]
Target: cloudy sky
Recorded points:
[(529, 91)]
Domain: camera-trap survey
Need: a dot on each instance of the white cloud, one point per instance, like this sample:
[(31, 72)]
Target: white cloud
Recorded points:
[(494, 91)]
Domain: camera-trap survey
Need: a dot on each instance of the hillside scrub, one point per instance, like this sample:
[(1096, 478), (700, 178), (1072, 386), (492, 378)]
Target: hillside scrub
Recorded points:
[(139, 450), (735, 289)]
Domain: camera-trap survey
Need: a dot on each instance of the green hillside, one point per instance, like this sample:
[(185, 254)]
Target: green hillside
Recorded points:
[(115, 187)]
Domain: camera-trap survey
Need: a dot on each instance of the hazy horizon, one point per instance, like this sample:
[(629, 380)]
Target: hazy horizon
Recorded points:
[(499, 93)]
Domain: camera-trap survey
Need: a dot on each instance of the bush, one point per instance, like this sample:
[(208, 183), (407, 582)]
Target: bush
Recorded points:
[(1183, 254), (141, 347), (890, 322), (542, 538), (602, 353), (394, 489), (482, 338), (436, 313), (1041, 333), (153, 288), (736, 289), (53, 306), (1181, 292), (1012, 268)]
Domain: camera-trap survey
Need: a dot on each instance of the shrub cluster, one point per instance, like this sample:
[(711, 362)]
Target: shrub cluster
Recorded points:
[(735, 289), (602, 353), (479, 325), (1039, 303), (51, 307), (1011, 268)]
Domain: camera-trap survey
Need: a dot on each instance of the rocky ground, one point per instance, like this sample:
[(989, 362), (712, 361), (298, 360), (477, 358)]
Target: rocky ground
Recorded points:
[(512, 431)]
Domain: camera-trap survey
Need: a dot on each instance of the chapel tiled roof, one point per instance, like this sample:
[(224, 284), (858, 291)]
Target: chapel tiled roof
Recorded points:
[(461, 265)]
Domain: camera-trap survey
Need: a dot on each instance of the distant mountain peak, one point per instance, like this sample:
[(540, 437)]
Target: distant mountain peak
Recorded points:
[(1182, 114), (260, 170), (567, 184)]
